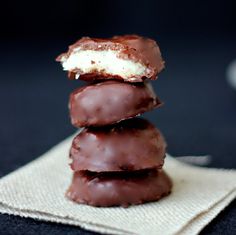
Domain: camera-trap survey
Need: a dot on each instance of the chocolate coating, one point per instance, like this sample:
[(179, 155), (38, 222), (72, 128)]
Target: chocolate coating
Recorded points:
[(132, 144), (119, 189), (110, 102), (130, 47)]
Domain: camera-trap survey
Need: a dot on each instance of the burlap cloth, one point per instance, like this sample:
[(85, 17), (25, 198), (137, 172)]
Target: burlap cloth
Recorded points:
[(37, 191)]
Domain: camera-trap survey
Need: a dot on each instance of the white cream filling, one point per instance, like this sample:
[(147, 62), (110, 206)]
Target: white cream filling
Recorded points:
[(103, 61)]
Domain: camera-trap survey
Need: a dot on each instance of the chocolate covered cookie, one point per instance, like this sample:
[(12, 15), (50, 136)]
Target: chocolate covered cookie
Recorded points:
[(129, 58), (132, 144), (119, 189), (110, 102)]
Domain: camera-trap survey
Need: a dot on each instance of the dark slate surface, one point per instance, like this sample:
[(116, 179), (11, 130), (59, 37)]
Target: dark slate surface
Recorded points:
[(199, 116)]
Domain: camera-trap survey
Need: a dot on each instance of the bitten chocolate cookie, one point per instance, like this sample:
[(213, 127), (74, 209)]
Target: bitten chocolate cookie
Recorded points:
[(110, 102), (119, 189), (130, 58), (132, 144)]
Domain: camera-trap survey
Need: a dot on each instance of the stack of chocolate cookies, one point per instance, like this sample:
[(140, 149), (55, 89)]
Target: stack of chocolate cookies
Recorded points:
[(117, 157)]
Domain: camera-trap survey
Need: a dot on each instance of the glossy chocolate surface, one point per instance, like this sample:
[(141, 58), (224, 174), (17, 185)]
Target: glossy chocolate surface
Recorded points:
[(110, 102), (130, 47), (132, 144), (119, 189)]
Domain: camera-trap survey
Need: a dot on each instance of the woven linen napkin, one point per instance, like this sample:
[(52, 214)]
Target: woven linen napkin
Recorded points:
[(37, 191)]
